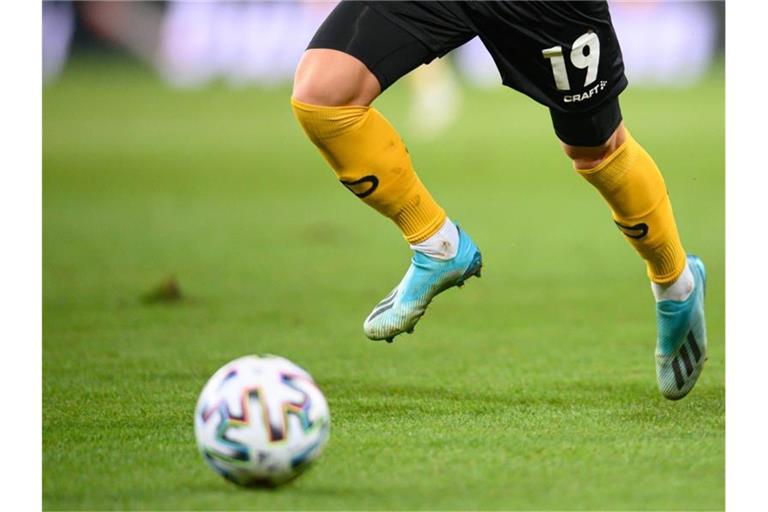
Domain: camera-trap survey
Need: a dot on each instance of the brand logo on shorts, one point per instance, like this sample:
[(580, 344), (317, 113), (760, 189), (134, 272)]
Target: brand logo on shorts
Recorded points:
[(362, 187), (574, 98)]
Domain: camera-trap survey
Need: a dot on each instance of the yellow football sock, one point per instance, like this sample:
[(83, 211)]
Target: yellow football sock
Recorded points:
[(371, 160), (635, 191)]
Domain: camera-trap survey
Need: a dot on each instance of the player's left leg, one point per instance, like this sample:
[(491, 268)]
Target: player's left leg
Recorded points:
[(572, 64), (632, 185)]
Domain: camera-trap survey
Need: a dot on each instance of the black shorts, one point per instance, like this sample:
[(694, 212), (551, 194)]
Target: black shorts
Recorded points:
[(565, 55)]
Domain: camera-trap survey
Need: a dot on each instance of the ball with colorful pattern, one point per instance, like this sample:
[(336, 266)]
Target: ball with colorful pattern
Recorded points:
[(261, 421)]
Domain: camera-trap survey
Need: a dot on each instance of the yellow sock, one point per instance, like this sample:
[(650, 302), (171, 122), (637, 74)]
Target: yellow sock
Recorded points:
[(371, 160), (635, 191)]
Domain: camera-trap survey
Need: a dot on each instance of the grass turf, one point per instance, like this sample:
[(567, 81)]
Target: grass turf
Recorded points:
[(532, 388)]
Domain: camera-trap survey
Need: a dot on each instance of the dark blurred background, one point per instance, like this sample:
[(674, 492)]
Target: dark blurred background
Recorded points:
[(191, 44)]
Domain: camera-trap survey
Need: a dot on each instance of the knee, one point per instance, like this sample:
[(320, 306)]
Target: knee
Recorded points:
[(332, 78), (588, 157)]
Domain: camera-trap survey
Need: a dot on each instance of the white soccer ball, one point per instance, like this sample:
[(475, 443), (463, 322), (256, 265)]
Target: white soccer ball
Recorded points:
[(261, 420)]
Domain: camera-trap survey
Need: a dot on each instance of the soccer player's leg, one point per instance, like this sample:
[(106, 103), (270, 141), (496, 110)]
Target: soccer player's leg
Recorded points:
[(573, 65), (356, 54), (632, 185)]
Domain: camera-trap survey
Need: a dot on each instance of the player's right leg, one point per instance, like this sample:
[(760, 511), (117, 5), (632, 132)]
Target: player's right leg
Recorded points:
[(356, 54)]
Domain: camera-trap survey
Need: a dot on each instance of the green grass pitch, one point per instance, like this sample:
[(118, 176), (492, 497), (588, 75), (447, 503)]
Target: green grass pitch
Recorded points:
[(531, 388)]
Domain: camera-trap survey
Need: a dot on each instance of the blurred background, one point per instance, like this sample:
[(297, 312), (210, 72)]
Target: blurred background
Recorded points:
[(191, 44), (258, 44)]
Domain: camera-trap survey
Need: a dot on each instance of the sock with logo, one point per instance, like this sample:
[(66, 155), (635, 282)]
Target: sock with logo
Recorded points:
[(634, 189), (371, 160)]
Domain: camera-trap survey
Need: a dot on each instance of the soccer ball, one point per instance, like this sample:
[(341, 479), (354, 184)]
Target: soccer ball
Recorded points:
[(261, 420)]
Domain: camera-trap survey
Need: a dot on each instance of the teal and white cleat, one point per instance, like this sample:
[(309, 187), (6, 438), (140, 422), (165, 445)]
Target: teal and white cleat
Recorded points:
[(681, 346), (399, 311)]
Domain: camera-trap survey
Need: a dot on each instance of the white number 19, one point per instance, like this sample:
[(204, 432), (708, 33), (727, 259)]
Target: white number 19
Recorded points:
[(579, 59)]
